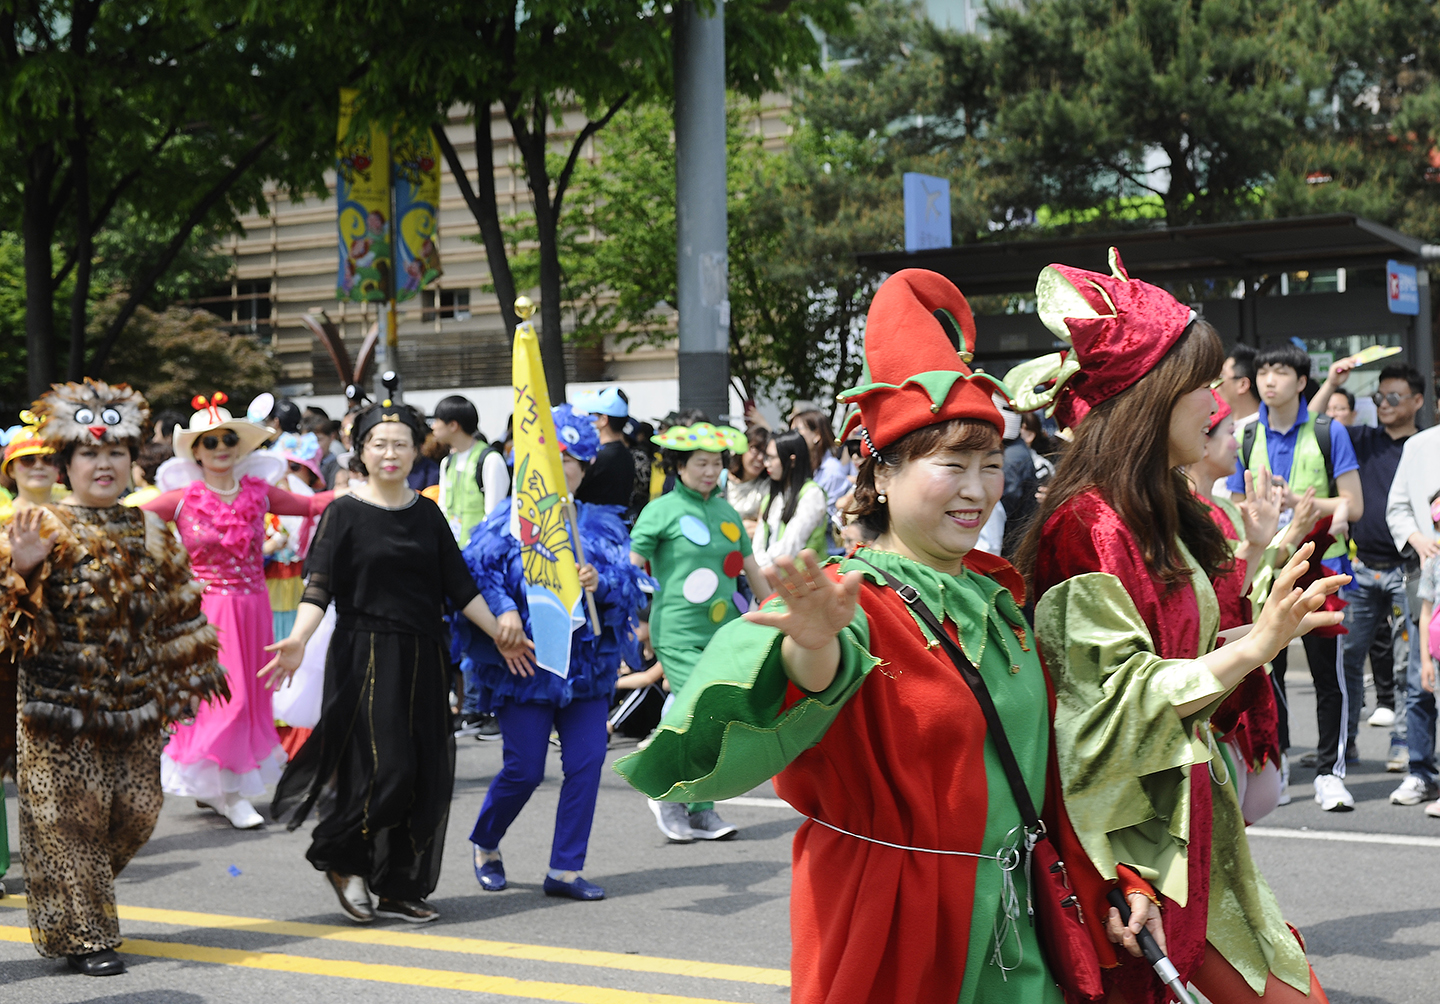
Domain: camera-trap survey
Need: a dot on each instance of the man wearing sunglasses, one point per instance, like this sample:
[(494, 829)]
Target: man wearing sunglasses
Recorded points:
[(1378, 593)]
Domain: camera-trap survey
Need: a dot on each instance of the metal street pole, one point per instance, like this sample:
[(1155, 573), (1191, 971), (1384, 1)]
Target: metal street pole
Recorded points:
[(703, 277)]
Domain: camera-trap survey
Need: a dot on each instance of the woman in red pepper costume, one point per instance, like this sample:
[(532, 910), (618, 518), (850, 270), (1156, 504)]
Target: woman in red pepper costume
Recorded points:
[(1122, 558)]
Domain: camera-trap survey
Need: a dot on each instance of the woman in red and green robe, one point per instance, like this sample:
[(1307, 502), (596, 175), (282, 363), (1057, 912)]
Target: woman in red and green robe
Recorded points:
[(900, 891)]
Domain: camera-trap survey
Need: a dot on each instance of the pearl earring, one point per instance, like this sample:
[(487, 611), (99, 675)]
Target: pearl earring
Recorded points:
[(883, 499)]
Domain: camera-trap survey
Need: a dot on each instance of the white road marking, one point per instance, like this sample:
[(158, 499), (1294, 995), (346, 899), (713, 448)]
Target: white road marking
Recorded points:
[(1400, 839), (759, 803)]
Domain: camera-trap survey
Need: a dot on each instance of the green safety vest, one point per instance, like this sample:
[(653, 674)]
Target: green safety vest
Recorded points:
[(464, 501), (1311, 466)]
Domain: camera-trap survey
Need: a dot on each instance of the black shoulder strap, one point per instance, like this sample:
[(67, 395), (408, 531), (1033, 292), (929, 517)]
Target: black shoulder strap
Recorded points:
[(976, 682), (1323, 440), (1247, 445)]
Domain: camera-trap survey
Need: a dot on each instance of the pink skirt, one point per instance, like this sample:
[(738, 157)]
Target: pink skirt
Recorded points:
[(233, 745)]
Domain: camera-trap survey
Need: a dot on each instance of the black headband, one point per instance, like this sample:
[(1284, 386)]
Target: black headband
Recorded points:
[(386, 411)]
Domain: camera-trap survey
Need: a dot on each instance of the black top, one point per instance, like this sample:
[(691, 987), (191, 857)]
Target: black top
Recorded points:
[(611, 477), (1379, 457), (1019, 498), (388, 570)]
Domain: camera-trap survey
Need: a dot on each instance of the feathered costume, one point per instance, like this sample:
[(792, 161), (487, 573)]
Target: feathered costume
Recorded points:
[(112, 647), (576, 705), (493, 556)]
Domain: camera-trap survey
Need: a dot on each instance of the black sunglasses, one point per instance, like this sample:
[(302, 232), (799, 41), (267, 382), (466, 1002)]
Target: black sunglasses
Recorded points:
[(1392, 398), (211, 442)]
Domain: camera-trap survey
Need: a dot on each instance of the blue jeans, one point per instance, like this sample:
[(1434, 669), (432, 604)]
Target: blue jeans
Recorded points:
[(526, 730), (470, 703), (1373, 596)]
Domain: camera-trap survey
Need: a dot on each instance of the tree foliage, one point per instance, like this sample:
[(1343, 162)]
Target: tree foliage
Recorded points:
[(166, 118)]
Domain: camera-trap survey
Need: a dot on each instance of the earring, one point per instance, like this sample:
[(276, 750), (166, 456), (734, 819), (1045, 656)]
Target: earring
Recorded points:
[(883, 499)]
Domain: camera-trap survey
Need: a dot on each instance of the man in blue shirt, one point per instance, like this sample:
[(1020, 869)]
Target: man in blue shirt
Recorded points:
[(1292, 454)]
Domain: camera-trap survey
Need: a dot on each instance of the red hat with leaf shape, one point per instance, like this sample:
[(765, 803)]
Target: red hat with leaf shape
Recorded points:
[(919, 337), (1120, 328)]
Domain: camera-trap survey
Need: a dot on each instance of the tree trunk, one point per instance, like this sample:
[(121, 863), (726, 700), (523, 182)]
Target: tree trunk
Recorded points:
[(38, 232), (552, 337), (84, 253), (484, 207)]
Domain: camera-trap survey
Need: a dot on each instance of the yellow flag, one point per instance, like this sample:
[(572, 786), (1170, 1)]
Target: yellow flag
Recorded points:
[(537, 515), (362, 199)]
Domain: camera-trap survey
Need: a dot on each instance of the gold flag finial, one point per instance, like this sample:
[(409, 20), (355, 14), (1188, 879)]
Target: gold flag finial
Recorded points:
[(524, 307)]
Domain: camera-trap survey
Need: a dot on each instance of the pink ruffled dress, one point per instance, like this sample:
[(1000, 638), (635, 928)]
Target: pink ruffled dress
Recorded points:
[(232, 745)]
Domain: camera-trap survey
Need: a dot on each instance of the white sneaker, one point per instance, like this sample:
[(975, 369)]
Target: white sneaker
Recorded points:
[(1382, 717), (1330, 792), (240, 812), (673, 818), (708, 825), (1284, 780), (1414, 790)]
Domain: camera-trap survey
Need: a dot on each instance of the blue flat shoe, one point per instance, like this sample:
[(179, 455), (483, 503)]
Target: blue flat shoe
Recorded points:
[(579, 889), (490, 874)]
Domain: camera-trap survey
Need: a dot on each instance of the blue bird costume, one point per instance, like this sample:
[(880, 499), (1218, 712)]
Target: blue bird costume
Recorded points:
[(529, 707)]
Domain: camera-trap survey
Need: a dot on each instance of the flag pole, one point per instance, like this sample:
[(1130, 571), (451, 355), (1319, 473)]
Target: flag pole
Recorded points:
[(574, 520)]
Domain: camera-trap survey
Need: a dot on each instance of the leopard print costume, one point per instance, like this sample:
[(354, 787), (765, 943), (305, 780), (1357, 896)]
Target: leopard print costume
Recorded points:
[(111, 647)]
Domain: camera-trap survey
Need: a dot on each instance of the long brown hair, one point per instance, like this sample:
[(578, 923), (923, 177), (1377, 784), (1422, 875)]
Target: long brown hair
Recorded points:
[(1122, 450)]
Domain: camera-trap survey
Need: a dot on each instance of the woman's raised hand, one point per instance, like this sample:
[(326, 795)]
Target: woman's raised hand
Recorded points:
[(1290, 613), (817, 608), (1261, 510), (29, 546)]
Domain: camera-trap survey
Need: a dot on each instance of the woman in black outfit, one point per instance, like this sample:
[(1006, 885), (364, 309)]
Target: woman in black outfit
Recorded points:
[(387, 558)]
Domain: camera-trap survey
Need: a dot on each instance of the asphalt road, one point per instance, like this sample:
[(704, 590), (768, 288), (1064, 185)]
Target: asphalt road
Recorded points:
[(219, 916)]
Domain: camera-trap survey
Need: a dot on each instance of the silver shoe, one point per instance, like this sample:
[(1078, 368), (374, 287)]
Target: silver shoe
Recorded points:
[(708, 825), (673, 820)]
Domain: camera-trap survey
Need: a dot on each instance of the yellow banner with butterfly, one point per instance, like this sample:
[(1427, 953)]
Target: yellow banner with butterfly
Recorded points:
[(539, 508)]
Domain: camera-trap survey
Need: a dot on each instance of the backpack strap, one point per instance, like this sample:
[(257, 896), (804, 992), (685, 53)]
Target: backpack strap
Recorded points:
[(1247, 444), (1323, 440)]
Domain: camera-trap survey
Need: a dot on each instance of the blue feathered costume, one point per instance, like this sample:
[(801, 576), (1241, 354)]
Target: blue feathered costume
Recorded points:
[(529, 707)]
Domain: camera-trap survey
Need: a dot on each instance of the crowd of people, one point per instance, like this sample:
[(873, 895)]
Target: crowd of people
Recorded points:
[(960, 637)]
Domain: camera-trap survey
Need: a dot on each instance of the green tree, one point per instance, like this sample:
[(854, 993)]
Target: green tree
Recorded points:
[(171, 355), (1173, 109), (167, 116), (534, 60)]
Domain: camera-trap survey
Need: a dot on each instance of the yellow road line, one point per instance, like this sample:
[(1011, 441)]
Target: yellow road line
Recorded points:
[(412, 976), (443, 943)]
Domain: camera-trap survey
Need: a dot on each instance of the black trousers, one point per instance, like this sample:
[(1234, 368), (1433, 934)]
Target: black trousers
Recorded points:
[(1321, 654)]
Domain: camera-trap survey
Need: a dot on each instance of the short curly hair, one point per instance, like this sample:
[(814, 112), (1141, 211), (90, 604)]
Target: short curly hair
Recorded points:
[(956, 434)]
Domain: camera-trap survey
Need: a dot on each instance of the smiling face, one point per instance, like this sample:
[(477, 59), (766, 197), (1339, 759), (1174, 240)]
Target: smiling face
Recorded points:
[(389, 452), (1221, 449), (939, 502), (35, 476), (1189, 426), (98, 474), (701, 472), (217, 451)]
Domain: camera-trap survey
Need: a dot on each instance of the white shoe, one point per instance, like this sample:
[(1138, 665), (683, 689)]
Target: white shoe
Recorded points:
[(674, 821), (1382, 717), (1284, 780), (1414, 790), (1332, 795), (240, 812)]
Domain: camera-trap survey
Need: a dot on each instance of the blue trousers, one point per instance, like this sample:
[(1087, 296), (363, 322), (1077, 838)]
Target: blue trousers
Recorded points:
[(526, 731), (1419, 704), (1373, 596)]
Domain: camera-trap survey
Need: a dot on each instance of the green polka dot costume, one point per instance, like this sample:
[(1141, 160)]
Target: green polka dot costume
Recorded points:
[(697, 549)]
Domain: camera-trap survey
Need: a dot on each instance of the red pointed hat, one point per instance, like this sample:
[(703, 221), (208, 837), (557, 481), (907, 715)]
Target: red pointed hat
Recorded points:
[(919, 336), (1120, 328)]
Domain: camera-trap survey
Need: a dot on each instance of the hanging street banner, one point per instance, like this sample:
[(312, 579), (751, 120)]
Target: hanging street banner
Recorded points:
[(415, 157), (537, 513), (362, 198)]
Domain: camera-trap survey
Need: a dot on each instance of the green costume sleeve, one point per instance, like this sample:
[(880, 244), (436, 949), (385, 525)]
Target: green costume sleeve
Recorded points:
[(726, 732), (644, 536), (1124, 752)]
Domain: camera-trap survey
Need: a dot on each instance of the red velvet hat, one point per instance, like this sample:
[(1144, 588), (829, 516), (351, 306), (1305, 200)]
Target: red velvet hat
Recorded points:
[(1120, 328), (919, 335), (1222, 409)]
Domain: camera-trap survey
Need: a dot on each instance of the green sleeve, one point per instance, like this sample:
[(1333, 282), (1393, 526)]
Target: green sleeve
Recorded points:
[(1124, 752), (645, 536), (726, 732)]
